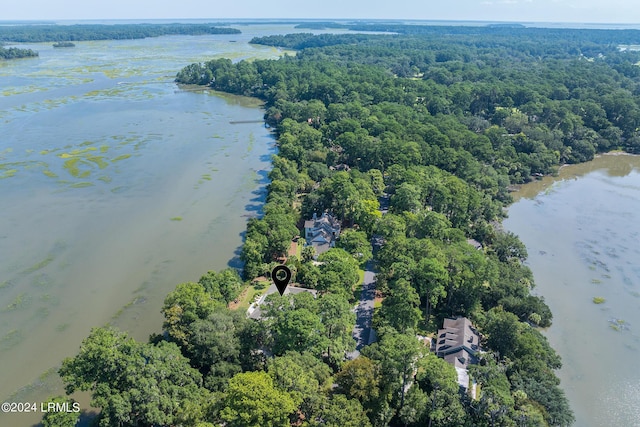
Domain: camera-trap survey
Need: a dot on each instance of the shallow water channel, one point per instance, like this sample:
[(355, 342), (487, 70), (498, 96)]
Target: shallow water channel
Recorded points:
[(582, 232), (115, 185)]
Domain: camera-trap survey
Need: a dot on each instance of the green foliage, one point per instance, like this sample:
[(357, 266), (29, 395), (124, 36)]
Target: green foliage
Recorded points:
[(65, 418), (356, 243), (252, 399), (397, 354), (338, 273), (222, 286), (338, 319), (359, 379), (342, 412), (133, 383), (183, 306), (400, 309), (51, 33), (213, 346), (301, 375), (15, 53)]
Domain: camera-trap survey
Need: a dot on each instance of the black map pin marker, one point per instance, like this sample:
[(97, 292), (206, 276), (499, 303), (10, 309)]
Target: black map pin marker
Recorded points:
[(281, 275)]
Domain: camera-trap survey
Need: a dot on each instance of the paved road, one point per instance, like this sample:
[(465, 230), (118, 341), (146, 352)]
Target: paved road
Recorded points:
[(362, 331)]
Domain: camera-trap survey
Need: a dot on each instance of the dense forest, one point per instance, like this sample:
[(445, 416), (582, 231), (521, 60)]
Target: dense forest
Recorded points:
[(439, 122), (79, 32), (15, 53)]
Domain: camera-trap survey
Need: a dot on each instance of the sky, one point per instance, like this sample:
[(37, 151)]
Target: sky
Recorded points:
[(574, 11)]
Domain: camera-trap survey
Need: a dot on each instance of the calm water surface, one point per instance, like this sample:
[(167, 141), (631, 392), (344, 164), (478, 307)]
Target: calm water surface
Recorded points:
[(115, 185), (582, 232)]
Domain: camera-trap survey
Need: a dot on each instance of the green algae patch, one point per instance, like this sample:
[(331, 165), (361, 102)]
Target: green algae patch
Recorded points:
[(176, 218), (50, 174), (39, 265), (120, 157), (98, 160), (71, 166), (62, 327), (77, 152), (598, 300), (81, 185), (106, 179), (8, 173), (20, 301), (11, 339)]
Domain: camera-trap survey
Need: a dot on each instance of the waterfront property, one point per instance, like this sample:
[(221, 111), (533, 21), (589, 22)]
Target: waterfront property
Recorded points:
[(322, 232), (254, 311), (458, 343)]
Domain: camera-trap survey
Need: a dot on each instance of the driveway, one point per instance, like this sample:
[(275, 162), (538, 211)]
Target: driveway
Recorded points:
[(362, 331)]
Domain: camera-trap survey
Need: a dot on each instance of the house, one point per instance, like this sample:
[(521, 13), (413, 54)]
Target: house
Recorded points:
[(321, 232), (254, 312), (458, 343), (341, 167), (475, 244)]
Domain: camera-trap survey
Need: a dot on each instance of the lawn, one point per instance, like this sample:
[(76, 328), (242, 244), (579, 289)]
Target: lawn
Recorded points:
[(358, 288), (249, 293)]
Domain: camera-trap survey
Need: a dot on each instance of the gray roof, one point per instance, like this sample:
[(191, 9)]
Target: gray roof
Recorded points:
[(458, 342)]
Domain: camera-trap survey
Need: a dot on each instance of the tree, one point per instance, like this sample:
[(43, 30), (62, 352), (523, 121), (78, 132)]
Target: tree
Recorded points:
[(68, 418), (338, 320), (222, 286), (183, 306), (133, 383), (356, 243), (308, 253), (397, 354), (377, 181), (407, 198), (508, 246), (301, 375), (342, 412), (400, 309), (431, 278), (415, 407), (251, 399), (299, 330), (214, 346), (360, 379), (339, 272), (440, 381)]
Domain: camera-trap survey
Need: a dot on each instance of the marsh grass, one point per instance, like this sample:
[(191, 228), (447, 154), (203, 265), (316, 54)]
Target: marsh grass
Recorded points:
[(11, 339), (120, 157), (21, 301), (62, 327), (41, 281), (82, 185), (39, 265)]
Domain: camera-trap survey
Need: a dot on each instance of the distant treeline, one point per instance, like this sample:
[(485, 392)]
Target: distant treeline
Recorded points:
[(597, 36), (14, 53), (53, 33)]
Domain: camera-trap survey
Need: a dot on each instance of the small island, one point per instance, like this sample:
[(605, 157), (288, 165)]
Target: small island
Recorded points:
[(15, 53), (64, 44)]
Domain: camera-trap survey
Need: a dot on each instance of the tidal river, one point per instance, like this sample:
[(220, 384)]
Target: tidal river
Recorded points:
[(582, 232), (115, 185)]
